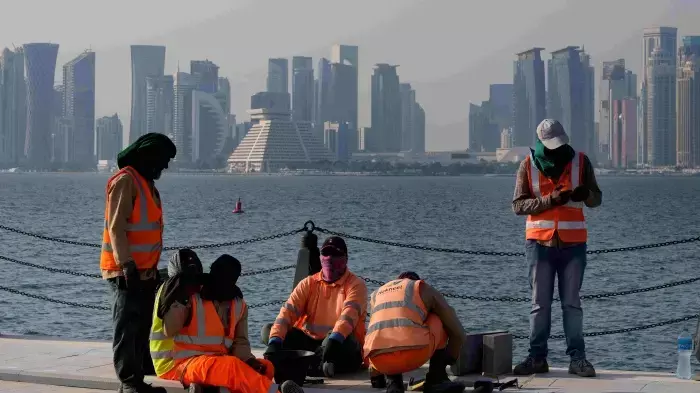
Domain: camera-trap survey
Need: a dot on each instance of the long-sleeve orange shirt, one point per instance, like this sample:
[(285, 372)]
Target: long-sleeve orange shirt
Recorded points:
[(318, 308)]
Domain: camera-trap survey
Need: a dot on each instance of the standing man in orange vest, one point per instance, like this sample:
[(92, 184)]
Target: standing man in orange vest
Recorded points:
[(553, 185), (132, 241), (411, 322)]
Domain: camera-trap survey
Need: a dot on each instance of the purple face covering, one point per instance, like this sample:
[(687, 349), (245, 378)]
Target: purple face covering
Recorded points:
[(332, 267)]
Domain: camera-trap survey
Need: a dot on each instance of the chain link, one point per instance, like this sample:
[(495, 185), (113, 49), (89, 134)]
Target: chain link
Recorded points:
[(48, 299), (510, 299), (496, 253), (196, 247), (623, 330), (272, 270), (266, 304)]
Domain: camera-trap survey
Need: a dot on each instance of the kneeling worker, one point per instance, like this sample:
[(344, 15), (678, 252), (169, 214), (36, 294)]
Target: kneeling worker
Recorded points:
[(209, 336), (325, 314), (411, 322)]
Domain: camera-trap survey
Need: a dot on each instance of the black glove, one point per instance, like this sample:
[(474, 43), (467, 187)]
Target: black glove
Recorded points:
[(131, 275), (580, 194), (257, 365), (331, 351), (560, 197), (273, 346)]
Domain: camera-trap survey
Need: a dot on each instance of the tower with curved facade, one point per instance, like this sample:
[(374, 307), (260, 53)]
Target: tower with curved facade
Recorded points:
[(40, 60), (146, 61)]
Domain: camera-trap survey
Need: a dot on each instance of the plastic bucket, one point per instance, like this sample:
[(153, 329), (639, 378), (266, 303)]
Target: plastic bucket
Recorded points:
[(290, 365)]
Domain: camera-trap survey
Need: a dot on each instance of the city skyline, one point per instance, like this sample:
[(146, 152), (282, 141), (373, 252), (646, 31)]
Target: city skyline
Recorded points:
[(448, 85)]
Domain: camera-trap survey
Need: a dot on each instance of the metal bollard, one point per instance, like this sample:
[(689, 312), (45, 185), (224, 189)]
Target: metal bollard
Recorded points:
[(309, 244), (470, 359)]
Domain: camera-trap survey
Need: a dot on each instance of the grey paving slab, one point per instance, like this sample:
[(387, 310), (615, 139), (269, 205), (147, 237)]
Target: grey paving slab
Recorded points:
[(62, 364), (21, 387)]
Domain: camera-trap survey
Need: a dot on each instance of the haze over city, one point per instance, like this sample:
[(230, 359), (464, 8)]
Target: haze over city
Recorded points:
[(450, 51)]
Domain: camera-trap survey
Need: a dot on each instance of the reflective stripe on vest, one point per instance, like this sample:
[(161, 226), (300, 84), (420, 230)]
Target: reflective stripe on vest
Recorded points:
[(159, 345), (144, 225), (575, 173), (407, 302)]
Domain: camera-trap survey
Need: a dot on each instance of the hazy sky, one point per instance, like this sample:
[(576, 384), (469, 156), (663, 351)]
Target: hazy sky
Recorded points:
[(450, 50)]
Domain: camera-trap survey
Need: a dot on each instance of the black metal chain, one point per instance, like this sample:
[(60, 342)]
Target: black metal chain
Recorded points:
[(510, 299), (197, 247), (496, 253), (270, 303), (48, 299), (51, 269), (272, 270), (623, 330)]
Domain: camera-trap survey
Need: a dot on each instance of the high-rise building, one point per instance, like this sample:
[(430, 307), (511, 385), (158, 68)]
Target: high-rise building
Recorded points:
[(302, 88), (225, 91), (159, 104), (623, 136), (276, 102), (506, 138), (322, 96), (79, 108), (13, 107), (565, 89), (209, 128), (40, 60), (363, 136), (110, 134), (688, 104), (661, 108), (183, 86), (408, 116), (663, 41), (342, 98), (616, 84), (278, 75), (483, 131), (501, 100), (529, 96), (62, 135), (146, 60), (349, 55), (337, 139), (588, 108), (419, 130), (386, 109), (207, 74)]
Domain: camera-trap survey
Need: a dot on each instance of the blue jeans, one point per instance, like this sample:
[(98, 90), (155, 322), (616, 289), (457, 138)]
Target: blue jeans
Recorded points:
[(568, 264)]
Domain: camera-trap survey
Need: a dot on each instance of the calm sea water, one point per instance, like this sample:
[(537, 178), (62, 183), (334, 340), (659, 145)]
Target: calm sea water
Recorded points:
[(465, 212)]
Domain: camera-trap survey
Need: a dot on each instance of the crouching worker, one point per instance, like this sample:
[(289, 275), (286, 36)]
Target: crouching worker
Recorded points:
[(325, 314), (411, 322), (204, 341)]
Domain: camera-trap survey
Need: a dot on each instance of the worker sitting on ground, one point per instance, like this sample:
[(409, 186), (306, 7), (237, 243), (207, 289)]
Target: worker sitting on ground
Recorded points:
[(209, 336), (325, 314), (411, 322)]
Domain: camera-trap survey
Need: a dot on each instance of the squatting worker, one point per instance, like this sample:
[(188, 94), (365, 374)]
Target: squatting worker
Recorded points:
[(553, 185), (325, 314), (411, 323), (210, 337), (131, 247)]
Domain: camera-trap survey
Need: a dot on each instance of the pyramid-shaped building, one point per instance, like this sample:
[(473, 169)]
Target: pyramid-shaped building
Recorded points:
[(275, 142)]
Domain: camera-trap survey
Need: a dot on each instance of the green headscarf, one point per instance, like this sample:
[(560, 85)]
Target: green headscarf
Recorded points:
[(552, 162), (151, 146)]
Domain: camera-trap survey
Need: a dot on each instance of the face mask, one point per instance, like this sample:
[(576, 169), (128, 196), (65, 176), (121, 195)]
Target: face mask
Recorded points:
[(333, 267)]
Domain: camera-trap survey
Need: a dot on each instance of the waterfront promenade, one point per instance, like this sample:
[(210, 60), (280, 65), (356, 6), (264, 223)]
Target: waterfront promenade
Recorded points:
[(37, 362)]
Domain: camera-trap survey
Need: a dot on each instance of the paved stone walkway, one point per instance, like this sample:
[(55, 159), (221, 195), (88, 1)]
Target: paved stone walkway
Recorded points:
[(88, 365)]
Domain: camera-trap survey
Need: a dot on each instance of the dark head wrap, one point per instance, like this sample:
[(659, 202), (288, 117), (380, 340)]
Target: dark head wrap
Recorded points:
[(220, 284), (409, 275), (184, 278), (149, 155)]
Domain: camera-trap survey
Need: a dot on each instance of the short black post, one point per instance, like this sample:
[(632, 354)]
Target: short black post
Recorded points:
[(308, 257)]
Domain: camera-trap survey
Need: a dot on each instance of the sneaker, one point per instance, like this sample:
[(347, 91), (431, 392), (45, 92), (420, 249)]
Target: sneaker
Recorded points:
[(582, 368), (290, 387), (531, 366)]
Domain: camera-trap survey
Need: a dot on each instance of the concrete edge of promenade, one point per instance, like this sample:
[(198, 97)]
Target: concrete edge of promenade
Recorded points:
[(88, 364)]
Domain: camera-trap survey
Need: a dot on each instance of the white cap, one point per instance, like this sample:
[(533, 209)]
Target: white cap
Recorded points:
[(551, 133)]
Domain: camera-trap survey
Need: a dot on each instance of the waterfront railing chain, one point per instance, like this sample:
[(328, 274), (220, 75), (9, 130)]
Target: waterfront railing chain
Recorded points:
[(310, 227), (276, 302)]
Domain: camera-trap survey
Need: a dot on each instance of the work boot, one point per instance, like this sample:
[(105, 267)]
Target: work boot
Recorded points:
[(582, 368), (531, 366), (395, 384), (290, 387), (142, 388), (437, 380), (377, 381)]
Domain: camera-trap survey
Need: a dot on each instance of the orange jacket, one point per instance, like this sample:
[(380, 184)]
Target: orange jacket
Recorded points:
[(145, 231), (317, 308), (567, 220), (397, 318)]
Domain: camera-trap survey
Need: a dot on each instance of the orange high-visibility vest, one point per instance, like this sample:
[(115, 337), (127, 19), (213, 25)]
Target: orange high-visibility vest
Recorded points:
[(397, 317), (567, 220), (205, 334), (144, 231)]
